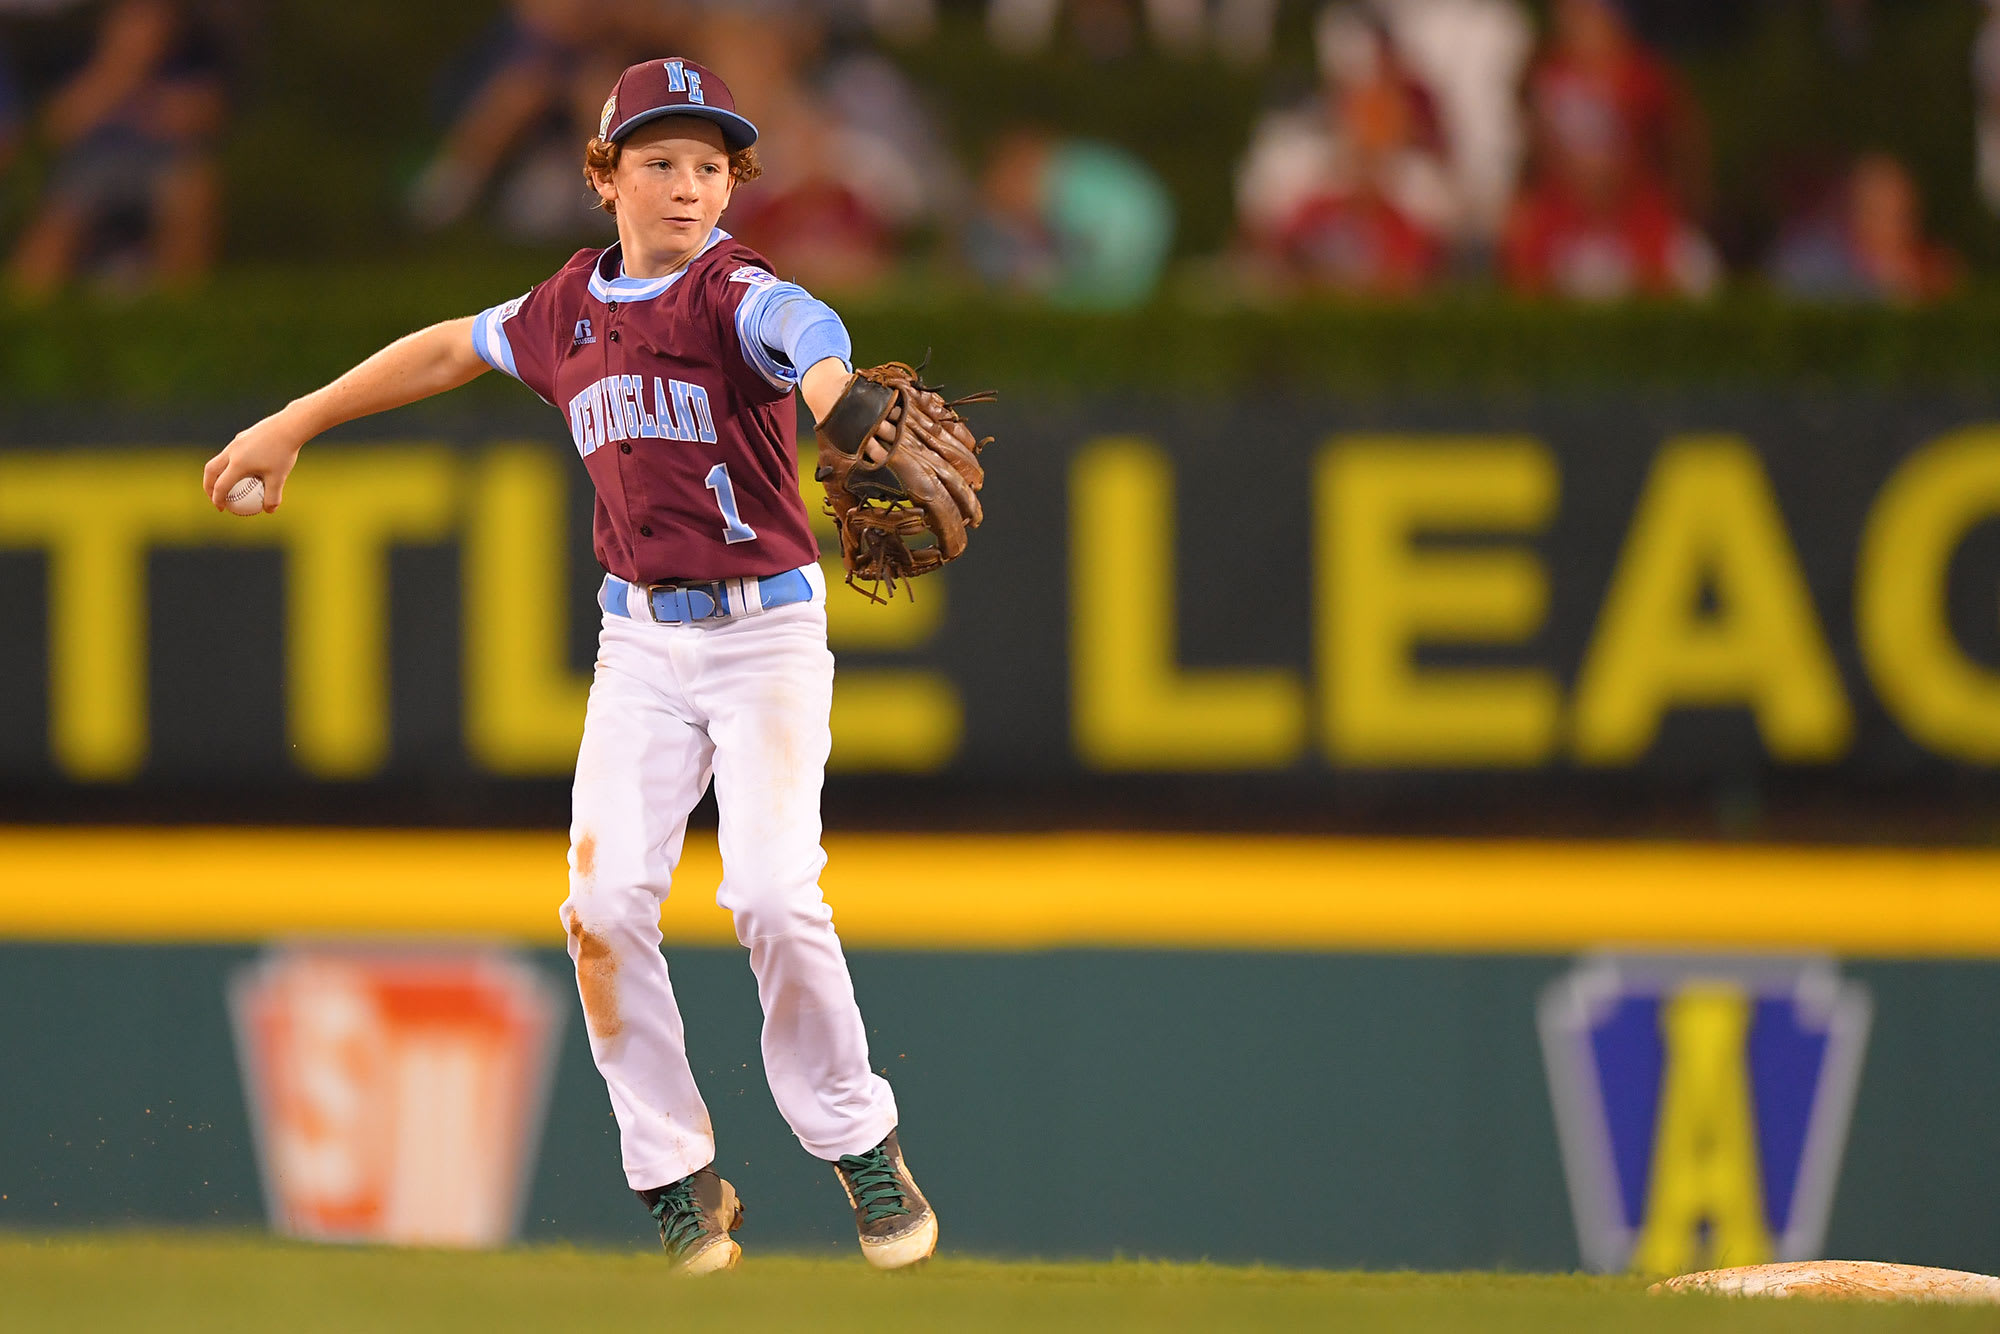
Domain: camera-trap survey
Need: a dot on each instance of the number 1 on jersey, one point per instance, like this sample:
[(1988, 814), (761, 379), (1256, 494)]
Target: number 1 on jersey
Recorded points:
[(733, 527)]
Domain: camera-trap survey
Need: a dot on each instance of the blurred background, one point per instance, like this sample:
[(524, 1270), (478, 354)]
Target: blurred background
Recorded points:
[(1470, 733)]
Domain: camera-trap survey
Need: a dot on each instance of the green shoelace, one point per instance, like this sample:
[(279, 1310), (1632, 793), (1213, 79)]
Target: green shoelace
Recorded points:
[(872, 1178), (680, 1218)]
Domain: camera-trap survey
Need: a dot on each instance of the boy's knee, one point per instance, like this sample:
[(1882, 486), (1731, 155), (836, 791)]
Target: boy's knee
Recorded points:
[(764, 908)]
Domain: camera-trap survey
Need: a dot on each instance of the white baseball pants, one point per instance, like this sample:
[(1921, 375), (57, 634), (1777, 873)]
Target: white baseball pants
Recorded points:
[(747, 700)]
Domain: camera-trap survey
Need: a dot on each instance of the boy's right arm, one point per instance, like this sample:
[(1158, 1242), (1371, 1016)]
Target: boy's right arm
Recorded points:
[(424, 363)]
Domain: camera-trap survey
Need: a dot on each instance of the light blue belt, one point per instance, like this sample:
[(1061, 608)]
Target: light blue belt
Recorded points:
[(678, 604)]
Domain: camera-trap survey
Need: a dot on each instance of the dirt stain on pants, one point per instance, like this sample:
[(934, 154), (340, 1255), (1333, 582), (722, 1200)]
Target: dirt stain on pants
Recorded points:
[(596, 980)]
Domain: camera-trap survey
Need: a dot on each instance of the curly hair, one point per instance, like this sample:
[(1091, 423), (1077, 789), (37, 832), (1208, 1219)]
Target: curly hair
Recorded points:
[(600, 158)]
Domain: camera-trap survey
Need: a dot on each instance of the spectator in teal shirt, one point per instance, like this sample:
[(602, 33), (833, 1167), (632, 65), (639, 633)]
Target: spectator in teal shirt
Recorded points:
[(1078, 222)]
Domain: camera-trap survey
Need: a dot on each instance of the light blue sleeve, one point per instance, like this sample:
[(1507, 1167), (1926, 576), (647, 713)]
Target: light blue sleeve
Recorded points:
[(489, 335), (785, 330)]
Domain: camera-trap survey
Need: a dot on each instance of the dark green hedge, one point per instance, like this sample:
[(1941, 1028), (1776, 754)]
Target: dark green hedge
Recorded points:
[(257, 338)]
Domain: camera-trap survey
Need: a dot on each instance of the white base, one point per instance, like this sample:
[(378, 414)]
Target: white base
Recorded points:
[(1852, 1280)]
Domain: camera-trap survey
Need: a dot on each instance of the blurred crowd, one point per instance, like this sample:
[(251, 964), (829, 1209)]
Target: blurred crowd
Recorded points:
[(1451, 137), (132, 193), (856, 169), (1552, 150)]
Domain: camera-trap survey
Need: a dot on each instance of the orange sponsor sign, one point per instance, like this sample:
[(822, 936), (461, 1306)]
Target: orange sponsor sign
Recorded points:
[(396, 1096)]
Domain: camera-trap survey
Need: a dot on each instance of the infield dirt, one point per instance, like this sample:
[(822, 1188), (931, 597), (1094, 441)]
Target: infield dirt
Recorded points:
[(226, 1282)]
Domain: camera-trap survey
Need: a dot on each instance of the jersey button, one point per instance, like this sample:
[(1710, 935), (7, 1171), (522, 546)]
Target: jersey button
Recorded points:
[(644, 531), (625, 448), (614, 335), (612, 307)]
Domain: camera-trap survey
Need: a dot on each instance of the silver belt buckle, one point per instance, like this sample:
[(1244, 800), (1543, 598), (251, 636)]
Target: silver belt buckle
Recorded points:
[(653, 607), (688, 595)]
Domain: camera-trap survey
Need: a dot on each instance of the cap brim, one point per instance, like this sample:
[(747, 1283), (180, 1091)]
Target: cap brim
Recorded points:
[(737, 133)]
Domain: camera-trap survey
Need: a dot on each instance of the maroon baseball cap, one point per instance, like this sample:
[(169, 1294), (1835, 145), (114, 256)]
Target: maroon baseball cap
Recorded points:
[(674, 87)]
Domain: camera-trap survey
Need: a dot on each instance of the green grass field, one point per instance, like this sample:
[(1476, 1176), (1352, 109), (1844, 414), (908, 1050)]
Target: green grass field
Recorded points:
[(131, 1282)]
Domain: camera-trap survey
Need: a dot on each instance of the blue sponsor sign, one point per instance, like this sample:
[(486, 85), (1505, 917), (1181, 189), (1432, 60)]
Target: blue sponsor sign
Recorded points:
[(1702, 1105)]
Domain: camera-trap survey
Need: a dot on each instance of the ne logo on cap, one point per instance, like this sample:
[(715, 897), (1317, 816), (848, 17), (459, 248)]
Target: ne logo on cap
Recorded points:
[(675, 86), (604, 121), (681, 79)]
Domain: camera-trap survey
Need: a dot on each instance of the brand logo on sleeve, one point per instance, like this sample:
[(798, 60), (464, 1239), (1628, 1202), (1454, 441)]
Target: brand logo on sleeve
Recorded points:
[(752, 275), (616, 408)]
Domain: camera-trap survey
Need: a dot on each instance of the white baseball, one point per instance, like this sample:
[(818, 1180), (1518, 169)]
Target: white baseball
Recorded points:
[(246, 497)]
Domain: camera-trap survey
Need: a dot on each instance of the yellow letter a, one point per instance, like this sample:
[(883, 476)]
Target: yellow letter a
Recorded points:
[(1708, 517), (1705, 1205)]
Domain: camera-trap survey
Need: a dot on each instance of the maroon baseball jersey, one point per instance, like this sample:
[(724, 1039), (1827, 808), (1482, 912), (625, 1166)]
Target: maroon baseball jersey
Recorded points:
[(684, 421)]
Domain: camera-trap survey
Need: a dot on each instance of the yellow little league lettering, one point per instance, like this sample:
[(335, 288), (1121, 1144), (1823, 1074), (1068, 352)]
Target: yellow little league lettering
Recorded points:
[(1938, 693), (1134, 706), (1380, 596), (1708, 520)]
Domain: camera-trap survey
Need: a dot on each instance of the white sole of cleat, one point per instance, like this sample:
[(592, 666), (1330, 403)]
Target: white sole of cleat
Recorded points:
[(715, 1260), (726, 1254), (905, 1251)]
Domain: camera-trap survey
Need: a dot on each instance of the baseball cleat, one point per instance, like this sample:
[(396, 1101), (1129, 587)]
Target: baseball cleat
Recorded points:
[(696, 1215), (898, 1228)]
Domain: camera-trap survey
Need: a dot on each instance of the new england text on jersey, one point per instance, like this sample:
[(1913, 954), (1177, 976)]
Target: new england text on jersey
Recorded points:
[(606, 350), (614, 408)]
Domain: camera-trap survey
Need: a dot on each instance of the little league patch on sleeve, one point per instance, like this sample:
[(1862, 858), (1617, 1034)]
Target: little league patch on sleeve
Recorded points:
[(756, 277)]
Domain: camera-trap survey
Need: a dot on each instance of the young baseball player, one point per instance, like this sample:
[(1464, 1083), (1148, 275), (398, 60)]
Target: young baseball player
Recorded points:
[(672, 356)]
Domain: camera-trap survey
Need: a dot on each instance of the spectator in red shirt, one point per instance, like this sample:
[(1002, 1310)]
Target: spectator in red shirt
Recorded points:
[(1602, 237), (1354, 194), (1598, 93), (1602, 217), (851, 168)]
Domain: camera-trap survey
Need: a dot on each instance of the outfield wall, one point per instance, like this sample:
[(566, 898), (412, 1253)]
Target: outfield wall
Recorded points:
[(1489, 608), (1357, 1083)]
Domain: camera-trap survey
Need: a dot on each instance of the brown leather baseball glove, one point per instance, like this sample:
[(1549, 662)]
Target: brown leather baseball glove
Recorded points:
[(902, 476)]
